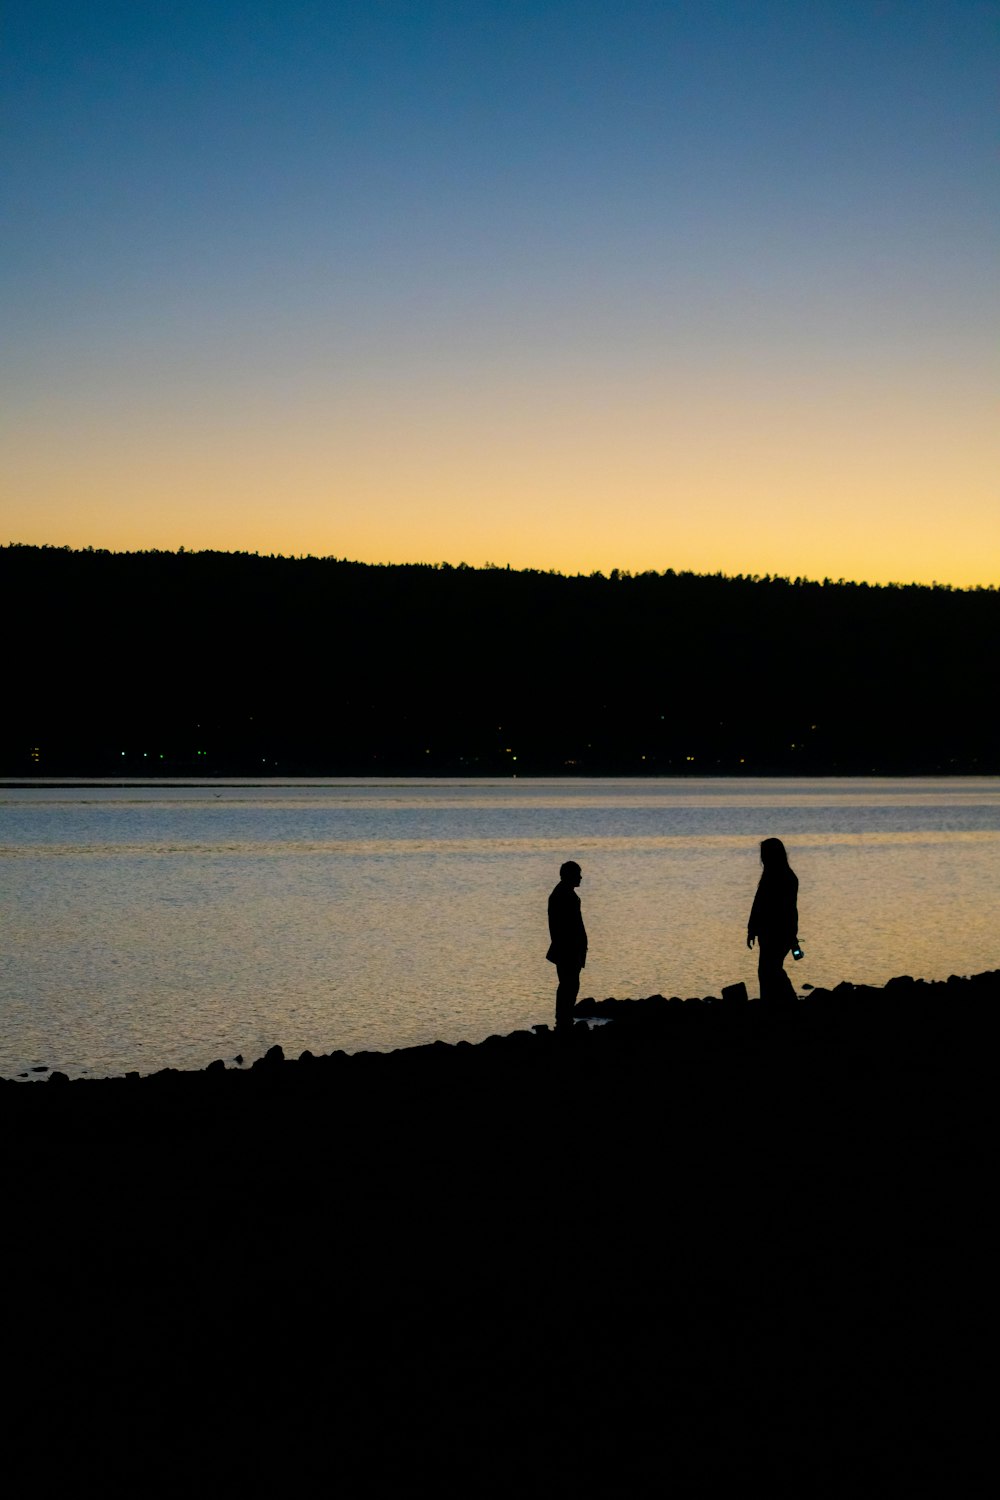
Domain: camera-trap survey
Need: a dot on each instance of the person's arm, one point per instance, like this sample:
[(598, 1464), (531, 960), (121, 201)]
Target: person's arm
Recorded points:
[(561, 927), (794, 934), (752, 928)]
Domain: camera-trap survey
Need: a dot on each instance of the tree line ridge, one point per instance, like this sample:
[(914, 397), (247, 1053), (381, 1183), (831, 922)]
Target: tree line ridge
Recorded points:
[(201, 663)]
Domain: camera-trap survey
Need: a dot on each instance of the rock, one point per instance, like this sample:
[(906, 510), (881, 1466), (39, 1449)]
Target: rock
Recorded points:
[(273, 1058)]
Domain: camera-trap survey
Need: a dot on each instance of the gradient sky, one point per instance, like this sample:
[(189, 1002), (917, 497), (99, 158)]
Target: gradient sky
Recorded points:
[(567, 284)]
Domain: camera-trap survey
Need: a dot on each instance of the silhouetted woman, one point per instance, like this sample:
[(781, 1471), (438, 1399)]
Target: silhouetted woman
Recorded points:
[(774, 920)]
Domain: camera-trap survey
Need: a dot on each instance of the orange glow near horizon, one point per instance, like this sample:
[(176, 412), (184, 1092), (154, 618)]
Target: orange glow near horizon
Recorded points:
[(830, 479)]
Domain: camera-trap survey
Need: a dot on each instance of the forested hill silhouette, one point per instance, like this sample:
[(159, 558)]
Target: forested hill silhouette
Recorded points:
[(209, 663)]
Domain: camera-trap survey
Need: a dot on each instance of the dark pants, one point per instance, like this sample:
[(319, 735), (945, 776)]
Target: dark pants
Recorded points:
[(775, 984), (566, 993)]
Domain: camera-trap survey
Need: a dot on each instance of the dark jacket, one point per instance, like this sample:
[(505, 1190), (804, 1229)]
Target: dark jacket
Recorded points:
[(774, 916), (566, 929)]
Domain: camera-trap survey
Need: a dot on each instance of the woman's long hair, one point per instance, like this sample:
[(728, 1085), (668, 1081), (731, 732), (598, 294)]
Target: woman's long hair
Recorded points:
[(773, 856)]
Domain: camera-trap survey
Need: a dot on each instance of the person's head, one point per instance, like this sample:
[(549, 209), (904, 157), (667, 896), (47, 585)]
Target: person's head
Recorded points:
[(570, 872), (772, 855)]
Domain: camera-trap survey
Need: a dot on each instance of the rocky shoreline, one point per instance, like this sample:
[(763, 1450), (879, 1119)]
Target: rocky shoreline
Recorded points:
[(701, 1248), (907, 1004)]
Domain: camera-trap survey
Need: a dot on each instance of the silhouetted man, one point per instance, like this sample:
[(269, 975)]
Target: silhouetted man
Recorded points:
[(568, 948)]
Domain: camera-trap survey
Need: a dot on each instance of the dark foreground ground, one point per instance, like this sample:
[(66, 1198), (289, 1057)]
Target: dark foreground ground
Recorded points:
[(699, 1250)]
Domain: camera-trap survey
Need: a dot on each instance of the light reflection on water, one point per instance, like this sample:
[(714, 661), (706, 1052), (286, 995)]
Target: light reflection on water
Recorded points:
[(166, 926)]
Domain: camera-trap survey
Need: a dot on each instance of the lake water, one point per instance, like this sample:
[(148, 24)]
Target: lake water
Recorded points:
[(150, 926)]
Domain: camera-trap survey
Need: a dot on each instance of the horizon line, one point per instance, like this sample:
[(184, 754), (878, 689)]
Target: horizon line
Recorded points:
[(615, 574)]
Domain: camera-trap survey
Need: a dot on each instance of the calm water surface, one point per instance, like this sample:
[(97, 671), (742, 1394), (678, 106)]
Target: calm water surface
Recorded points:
[(148, 926)]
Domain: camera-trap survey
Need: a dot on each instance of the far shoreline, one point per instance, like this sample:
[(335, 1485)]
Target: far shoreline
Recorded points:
[(223, 779)]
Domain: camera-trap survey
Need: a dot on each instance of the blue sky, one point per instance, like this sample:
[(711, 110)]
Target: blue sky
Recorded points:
[(573, 285)]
